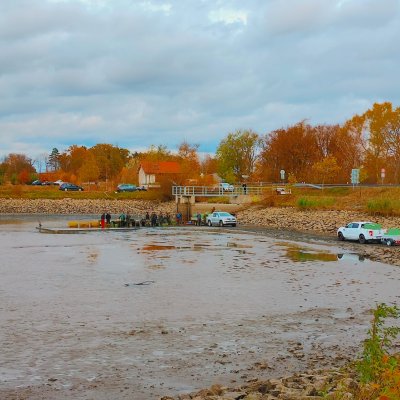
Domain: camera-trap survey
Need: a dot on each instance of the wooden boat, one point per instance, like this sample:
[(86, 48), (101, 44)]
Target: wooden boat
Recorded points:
[(41, 229)]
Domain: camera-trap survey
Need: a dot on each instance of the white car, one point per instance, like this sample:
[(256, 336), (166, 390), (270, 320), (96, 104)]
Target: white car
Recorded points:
[(363, 231), (226, 187), (221, 218)]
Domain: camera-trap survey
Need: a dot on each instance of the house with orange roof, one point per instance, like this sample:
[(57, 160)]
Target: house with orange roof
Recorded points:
[(151, 173)]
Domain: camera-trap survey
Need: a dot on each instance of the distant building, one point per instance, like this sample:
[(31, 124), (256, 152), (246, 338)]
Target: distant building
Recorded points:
[(151, 173)]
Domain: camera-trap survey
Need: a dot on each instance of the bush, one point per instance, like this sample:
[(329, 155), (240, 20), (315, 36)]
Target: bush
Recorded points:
[(317, 203), (375, 357)]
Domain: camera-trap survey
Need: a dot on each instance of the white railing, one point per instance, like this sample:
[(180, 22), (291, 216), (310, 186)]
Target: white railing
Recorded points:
[(208, 191)]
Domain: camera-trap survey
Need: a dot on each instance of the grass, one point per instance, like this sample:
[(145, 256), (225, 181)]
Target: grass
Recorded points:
[(383, 207), (316, 203)]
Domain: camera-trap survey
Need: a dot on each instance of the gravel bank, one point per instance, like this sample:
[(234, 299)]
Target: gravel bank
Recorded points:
[(74, 207)]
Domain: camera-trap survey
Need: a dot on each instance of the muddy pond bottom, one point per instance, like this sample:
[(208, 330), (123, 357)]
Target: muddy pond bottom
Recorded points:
[(163, 311)]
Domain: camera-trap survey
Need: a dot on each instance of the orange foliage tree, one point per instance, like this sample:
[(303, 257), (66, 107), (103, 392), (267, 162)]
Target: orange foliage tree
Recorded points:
[(294, 149), (189, 160)]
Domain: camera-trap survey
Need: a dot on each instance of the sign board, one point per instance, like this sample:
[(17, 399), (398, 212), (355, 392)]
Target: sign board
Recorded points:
[(355, 176), (282, 174)]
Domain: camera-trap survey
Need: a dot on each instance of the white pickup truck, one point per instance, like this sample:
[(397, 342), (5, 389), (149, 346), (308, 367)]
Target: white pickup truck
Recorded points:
[(363, 231)]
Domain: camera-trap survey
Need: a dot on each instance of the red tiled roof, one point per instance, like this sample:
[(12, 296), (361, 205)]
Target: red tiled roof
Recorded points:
[(161, 167)]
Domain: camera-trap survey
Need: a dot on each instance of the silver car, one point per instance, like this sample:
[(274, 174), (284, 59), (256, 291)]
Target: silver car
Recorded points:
[(221, 218)]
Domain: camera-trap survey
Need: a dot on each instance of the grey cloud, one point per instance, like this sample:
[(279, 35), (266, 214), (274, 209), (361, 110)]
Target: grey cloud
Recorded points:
[(136, 73)]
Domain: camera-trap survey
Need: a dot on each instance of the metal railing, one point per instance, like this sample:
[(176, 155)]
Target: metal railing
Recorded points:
[(212, 191)]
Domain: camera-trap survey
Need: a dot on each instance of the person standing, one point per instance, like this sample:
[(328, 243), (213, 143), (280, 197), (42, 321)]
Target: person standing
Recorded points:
[(122, 219), (198, 219), (153, 219), (103, 221), (108, 219)]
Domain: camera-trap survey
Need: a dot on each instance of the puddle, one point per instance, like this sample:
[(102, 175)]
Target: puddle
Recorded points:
[(352, 257), (304, 254), (157, 247), (300, 255)]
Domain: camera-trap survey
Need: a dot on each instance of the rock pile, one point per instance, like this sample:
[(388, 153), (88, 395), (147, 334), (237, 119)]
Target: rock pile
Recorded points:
[(74, 206), (308, 386)]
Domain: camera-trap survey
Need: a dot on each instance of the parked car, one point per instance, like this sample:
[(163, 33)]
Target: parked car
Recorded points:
[(221, 218), (36, 183), (226, 187), (58, 182), (142, 188), (70, 186), (363, 231), (126, 187)]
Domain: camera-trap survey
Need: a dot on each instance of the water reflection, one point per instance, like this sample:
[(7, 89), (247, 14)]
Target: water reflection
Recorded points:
[(299, 255), (351, 257), (303, 254)]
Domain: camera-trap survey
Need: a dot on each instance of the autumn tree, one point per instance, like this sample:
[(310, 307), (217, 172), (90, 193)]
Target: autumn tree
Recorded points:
[(326, 170), (17, 168), (129, 173), (89, 170), (157, 153), (237, 154), (294, 149), (110, 160), (377, 132), (73, 159), (189, 160), (382, 124), (342, 143)]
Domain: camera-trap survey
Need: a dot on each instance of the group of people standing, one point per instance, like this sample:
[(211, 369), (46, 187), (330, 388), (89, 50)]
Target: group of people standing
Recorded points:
[(156, 220), (105, 219), (124, 220)]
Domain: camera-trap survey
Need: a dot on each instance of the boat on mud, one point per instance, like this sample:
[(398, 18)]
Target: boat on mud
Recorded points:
[(91, 226)]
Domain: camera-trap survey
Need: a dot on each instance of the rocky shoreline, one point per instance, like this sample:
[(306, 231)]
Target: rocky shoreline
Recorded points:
[(333, 385)]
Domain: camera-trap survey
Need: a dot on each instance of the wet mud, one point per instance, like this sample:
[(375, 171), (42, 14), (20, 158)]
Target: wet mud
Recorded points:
[(167, 311)]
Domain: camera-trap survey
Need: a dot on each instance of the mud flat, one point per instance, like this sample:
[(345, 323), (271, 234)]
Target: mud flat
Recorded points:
[(167, 312)]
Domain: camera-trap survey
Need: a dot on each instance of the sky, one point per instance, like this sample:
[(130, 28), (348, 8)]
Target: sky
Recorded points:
[(136, 73)]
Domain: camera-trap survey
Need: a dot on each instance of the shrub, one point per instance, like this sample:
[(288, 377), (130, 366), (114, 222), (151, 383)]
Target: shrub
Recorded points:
[(306, 204), (375, 356), (316, 203)]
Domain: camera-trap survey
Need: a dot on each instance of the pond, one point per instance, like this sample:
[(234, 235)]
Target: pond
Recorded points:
[(162, 311)]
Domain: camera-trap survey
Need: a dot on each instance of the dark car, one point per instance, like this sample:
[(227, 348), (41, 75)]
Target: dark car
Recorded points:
[(142, 188), (70, 186), (126, 187), (36, 183)]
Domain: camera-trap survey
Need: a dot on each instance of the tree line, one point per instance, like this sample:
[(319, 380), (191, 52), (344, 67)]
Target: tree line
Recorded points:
[(315, 154)]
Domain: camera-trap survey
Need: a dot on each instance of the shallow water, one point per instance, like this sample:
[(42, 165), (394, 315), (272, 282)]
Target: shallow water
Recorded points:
[(168, 310)]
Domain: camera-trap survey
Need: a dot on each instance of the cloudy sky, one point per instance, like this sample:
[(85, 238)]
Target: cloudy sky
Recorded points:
[(134, 73)]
